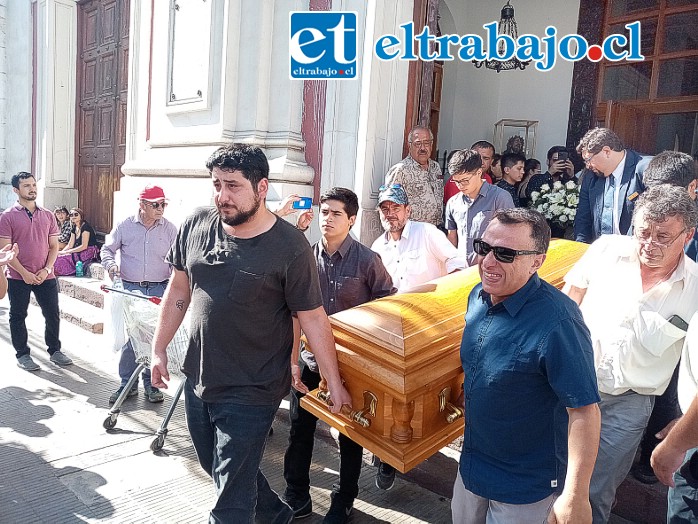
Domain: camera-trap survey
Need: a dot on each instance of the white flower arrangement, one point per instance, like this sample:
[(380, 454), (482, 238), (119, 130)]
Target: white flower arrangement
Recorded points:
[(558, 203)]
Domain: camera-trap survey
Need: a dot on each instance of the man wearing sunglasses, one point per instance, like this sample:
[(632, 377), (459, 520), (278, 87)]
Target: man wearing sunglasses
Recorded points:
[(143, 240), (421, 177), (636, 294), (607, 200), (530, 392)]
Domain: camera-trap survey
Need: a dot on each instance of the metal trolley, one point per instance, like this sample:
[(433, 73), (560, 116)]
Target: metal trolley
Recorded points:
[(140, 318)]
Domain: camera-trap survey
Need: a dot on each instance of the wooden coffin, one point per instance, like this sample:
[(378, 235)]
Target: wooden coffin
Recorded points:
[(400, 359)]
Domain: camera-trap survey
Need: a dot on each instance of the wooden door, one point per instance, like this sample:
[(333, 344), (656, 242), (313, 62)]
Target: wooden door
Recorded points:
[(101, 106), (424, 78), (635, 126)]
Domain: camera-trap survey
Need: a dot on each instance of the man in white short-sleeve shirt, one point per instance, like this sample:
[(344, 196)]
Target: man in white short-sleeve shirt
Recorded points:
[(631, 291)]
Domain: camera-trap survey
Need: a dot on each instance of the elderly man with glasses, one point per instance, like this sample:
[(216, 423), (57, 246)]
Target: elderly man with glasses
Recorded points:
[(530, 395), (421, 177), (606, 201), (143, 240), (636, 294)]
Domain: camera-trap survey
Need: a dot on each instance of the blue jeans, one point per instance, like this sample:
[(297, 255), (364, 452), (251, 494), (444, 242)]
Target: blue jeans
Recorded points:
[(46, 295), (127, 361), (229, 440), (683, 498)]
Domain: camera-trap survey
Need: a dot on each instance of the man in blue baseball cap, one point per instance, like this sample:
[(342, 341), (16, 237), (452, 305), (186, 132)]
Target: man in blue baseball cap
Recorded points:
[(413, 253)]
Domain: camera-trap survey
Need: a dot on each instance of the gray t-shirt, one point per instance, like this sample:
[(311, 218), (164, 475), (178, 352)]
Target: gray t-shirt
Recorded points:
[(242, 295)]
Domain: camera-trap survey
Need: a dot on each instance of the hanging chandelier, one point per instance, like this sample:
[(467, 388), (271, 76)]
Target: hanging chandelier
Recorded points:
[(507, 26)]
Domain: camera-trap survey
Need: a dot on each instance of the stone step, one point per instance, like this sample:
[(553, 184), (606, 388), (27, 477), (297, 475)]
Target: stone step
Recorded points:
[(86, 289), (80, 313)]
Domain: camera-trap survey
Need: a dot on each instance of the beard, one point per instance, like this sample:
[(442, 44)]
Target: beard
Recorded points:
[(393, 227), (242, 216)]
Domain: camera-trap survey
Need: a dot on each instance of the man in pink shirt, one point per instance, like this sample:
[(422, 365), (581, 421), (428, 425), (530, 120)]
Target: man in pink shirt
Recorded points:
[(34, 230)]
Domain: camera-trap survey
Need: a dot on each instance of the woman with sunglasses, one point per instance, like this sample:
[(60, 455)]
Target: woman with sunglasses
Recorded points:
[(61, 214), (82, 245)]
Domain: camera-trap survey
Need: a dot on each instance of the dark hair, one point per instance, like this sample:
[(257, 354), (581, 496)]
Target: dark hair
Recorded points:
[(531, 164), (464, 161), (664, 201), (510, 159), (22, 175), (596, 139), (249, 160), (80, 212), (345, 196), (556, 149), (482, 144), (540, 230), (496, 158), (670, 167)]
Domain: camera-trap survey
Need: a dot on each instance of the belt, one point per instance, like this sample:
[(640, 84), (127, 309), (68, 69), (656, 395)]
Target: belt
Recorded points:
[(146, 283)]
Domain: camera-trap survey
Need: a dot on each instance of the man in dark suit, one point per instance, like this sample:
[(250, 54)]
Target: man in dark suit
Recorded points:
[(607, 200)]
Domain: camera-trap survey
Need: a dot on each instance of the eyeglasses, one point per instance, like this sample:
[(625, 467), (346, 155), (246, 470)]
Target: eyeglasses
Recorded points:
[(155, 205), (503, 254), (74, 214), (419, 143), (588, 159), (463, 180), (645, 239)]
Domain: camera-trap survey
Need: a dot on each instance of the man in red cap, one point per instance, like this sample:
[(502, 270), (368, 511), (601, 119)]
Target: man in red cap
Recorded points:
[(143, 240)]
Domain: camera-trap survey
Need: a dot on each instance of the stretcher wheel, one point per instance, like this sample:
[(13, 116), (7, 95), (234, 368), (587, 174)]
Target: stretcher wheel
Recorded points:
[(157, 443), (109, 422)]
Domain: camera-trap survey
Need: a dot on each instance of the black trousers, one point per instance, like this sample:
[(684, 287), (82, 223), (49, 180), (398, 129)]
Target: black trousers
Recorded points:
[(300, 450), (46, 295)]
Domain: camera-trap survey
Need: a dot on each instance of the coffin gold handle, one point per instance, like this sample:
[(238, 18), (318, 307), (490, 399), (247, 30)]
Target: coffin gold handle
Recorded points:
[(452, 412), (370, 402)]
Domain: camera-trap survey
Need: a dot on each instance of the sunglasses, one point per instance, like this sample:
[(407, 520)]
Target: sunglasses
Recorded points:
[(503, 254), (74, 214), (156, 205)]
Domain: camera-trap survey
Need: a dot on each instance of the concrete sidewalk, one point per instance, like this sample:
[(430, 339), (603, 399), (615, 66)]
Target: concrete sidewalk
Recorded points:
[(58, 464)]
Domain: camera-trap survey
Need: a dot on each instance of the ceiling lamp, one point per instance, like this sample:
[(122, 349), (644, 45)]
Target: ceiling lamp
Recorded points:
[(507, 26)]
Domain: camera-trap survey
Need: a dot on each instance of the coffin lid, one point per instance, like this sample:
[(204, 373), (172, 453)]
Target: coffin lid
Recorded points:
[(431, 314)]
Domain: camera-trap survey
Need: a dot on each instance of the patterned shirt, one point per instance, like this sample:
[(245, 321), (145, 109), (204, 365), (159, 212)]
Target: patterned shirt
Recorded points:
[(425, 189), (511, 189)]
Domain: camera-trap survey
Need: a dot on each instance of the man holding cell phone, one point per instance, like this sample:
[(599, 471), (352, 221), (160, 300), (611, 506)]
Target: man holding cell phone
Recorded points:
[(635, 293), (560, 168)]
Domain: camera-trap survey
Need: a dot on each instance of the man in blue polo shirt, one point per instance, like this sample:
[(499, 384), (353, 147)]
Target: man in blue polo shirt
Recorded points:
[(530, 396)]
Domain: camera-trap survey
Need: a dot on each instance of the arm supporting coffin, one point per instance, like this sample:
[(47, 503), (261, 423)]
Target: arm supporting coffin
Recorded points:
[(359, 416)]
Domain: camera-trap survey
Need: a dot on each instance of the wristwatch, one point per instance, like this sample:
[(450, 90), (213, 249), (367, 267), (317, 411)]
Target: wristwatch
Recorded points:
[(49, 270)]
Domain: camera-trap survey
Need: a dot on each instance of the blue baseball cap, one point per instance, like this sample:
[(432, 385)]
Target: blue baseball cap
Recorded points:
[(392, 193)]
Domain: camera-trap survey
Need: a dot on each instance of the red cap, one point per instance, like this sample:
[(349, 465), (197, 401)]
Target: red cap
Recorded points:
[(152, 193)]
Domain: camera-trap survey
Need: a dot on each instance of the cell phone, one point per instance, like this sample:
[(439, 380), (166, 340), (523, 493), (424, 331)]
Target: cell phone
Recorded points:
[(303, 203), (563, 156), (678, 322)]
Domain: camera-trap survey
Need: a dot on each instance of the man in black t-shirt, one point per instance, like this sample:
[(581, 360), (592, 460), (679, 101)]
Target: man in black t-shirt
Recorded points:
[(243, 270)]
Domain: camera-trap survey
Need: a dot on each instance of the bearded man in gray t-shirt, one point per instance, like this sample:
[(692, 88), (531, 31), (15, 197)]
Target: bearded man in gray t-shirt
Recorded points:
[(242, 270)]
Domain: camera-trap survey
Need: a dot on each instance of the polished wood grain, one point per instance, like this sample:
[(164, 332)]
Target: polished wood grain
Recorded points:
[(405, 349)]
